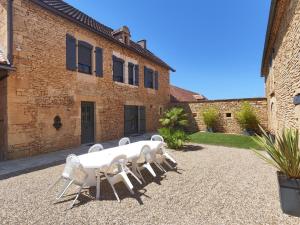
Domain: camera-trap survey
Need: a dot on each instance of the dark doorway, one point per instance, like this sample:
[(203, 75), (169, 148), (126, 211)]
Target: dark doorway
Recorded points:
[(134, 120), (87, 122)]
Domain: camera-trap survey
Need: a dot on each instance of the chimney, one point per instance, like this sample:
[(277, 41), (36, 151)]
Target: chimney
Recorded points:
[(143, 43), (122, 34)]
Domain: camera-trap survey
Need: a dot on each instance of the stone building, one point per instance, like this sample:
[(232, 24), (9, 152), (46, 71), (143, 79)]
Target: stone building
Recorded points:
[(281, 65), (67, 80)]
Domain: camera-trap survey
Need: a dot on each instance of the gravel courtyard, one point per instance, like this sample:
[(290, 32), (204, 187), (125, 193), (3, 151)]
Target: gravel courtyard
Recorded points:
[(213, 185)]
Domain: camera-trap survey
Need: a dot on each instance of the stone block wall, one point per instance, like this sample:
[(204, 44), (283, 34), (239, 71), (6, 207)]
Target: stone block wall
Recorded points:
[(283, 79), (227, 109), (41, 87), (3, 118)]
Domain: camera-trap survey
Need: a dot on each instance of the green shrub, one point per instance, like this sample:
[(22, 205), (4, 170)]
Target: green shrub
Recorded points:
[(210, 117), (247, 118), (173, 122), (174, 138), (283, 153)]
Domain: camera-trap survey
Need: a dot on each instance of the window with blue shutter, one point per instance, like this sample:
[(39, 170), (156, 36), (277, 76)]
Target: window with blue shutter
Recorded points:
[(70, 52), (85, 57), (99, 62), (156, 80), (118, 69), (131, 73), (148, 78), (136, 75)]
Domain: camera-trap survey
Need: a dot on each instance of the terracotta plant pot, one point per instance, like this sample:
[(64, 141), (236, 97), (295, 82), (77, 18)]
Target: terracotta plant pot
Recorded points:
[(289, 191)]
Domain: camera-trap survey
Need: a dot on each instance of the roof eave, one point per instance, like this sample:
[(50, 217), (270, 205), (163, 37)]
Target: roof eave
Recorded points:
[(6, 67), (268, 33), (40, 3)]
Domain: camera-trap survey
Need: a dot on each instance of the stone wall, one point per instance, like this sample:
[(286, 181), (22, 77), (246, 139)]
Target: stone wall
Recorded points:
[(42, 88), (283, 80), (227, 109), (3, 118)]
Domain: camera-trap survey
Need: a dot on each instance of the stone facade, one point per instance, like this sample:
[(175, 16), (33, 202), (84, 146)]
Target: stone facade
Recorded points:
[(41, 88), (281, 66), (227, 109)]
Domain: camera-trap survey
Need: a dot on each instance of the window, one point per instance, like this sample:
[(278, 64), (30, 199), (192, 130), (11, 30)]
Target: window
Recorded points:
[(160, 110), (148, 78), (130, 73), (85, 57), (228, 115), (118, 69), (133, 74)]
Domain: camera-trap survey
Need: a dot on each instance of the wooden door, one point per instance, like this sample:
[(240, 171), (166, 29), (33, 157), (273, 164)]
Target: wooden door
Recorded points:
[(87, 122)]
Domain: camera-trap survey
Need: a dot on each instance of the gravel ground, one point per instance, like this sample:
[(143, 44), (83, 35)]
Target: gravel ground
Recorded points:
[(213, 185)]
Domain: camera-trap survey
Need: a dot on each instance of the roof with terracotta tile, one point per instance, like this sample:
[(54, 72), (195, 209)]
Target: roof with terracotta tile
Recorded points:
[(67, 11), (183, 95)]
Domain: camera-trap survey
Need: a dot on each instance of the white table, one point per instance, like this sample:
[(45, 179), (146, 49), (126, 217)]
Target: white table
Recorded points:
[(101, 160)]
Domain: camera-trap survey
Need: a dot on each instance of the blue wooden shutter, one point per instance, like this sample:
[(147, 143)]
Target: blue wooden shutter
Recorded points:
[(70, 52), (136, 81), (99, 62), (145, 76), (156, 80), (130, 73)]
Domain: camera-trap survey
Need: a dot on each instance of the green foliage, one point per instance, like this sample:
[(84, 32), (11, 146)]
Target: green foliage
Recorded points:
[(282, 153), (175, 118), (210, 117), (174, 138), (246, 117), (173, 123), (221, 139)]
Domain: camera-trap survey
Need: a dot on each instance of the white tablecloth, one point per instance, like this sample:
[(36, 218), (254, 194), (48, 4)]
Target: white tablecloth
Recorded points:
[(101, 160)]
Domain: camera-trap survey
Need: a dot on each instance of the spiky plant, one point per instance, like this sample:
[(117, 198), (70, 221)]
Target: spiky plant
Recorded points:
[(173, 123), (282, 153), (175, 118)]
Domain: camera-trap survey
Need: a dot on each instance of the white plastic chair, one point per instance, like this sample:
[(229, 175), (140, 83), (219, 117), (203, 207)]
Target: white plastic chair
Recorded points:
[(96, 148), (147, 157), (162, 150), (117, 172), (157, 137), (124, 141), (73, 174)]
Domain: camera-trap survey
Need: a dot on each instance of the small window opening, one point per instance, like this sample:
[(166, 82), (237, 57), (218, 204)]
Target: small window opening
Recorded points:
[(228, 115)]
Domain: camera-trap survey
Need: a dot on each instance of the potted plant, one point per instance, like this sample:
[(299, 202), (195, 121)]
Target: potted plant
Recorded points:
[(284, 154), (210, 117), (247, 119), (173, 124)]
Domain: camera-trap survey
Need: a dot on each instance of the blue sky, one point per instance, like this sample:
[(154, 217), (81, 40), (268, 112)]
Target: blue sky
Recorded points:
[(215, 46)]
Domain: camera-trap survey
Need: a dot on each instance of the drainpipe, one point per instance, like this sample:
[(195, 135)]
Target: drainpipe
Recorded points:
[(10, 31)]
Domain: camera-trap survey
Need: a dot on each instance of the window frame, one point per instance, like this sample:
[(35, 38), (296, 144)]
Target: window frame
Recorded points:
[(146, 78), (118, 60), (80, 65)]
